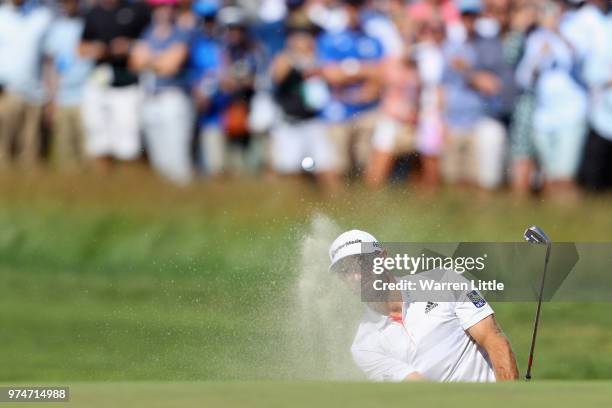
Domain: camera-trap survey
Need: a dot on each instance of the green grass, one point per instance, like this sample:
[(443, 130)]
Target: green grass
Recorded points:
[(128, 279), (333, 394)]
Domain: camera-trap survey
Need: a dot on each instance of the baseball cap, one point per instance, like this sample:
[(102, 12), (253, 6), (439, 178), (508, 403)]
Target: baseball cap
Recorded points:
[(206, 8), (232, 16), (350, 243), (471, 7)]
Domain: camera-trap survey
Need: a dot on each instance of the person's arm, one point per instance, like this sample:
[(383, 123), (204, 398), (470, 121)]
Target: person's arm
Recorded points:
[(491, 338), (380, 367), (140, 58), (171, 61), (90, 46), (166, 63), (280, 68)]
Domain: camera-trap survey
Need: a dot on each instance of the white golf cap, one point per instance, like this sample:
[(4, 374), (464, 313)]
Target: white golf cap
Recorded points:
[(350, 243)]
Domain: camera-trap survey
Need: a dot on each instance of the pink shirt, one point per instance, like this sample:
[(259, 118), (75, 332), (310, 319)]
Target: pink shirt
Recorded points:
[(425, 11)]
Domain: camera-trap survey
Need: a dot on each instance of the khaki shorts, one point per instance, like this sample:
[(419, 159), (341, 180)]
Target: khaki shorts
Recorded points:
[(352, 142), (459, 161), (20, 123), (393, 136), (476, 156)]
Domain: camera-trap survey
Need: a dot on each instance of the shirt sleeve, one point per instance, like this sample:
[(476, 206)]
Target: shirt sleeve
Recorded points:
[(380, 367), (471, 309), (325, 54)]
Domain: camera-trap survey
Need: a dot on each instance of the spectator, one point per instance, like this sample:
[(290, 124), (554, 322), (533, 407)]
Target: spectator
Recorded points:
[(430, 129), (186, 17), (378, 25), (426, 11), (23, 25), (475, 147), (69, 76), (522, 22), (596, 168), (111, 98), (301, 94), (350, 61), (559, 127), (160, 56), (585, 28), (395, 128), (238, 67), (205, 67)]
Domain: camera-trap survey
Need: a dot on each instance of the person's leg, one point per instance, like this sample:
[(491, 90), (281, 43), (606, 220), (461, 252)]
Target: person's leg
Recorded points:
[(490, 150), (287, 148), (29, 137), (339, 135), (170, 141), (213, 150), (384, 141), (431, 174), (151, 129), (453, 156), (316, 145), (522, 148), (430, 144), (566, 151), (364, 126), (62, 134), (523, 170), (124, 116), (97, 126), (78, 135), (11, 115), (596, 166)]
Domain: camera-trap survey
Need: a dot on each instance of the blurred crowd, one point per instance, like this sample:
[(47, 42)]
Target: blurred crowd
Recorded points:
[(486, 93)]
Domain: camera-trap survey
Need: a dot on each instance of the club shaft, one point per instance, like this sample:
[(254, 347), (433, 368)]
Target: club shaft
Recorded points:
[(537, 316)]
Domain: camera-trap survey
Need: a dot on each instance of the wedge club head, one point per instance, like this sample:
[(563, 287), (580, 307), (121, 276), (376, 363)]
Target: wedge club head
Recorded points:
[(536, 235)]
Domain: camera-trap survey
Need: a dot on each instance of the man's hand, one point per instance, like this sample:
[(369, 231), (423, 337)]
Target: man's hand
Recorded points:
[(485, 82), (412, 377), (490, 337)]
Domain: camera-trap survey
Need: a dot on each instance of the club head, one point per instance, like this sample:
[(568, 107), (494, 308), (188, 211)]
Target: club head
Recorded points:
[(536, 235)]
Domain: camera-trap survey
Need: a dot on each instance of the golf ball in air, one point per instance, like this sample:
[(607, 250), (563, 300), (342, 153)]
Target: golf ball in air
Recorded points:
[(308, 163)]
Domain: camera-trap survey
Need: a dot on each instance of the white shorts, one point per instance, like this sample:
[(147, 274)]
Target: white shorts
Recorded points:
[(292, 142), (111, 120)]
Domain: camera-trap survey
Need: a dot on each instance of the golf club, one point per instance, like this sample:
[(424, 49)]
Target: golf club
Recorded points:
[(535, 235)]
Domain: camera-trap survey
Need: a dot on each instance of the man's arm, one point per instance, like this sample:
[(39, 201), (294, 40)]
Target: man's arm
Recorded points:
[(491, 338), (380, 367)]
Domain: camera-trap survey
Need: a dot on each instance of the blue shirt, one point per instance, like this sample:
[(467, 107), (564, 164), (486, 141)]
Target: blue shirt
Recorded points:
[(205, 66), (61, 45), (598, 74), (465, 105), (158, 45), (340, 47), (551, 76), (22, 32)]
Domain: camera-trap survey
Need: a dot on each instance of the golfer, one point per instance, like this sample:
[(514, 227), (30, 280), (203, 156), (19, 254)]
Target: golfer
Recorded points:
[(402, 340)]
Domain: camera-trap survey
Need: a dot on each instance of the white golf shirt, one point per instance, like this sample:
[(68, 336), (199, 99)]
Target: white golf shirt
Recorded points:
[(431, 340)]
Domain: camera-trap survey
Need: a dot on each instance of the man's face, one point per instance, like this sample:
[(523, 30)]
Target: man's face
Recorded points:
[(349, 270), (469, 22), (356, 271), (70, 7), (235, 35)]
